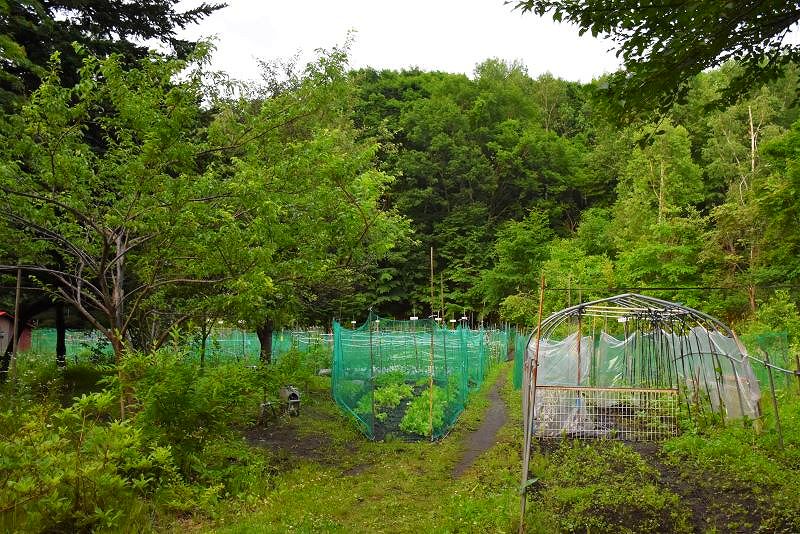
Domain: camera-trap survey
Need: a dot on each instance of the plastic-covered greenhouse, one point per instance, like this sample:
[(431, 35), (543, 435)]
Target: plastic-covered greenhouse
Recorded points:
[(626, 366), (384, 372)]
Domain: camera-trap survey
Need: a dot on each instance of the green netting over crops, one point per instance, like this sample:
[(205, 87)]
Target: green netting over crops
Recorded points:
[(222, 345), (384, 369)]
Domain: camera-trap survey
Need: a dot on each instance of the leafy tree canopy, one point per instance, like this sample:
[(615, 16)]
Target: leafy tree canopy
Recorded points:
[(664, 44), (32, 30)]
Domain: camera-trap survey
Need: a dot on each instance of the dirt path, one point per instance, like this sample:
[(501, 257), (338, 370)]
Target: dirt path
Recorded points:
[(483, 438)]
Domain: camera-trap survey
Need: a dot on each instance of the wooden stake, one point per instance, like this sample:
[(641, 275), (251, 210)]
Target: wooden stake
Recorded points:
[(441, 297), (774, 400), (797, 370), (529, 407)]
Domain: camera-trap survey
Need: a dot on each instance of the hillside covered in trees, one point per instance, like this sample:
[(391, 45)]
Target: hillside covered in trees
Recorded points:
[(506, 175)]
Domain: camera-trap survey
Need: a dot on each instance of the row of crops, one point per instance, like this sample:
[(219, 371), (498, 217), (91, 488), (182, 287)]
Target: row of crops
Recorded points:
[(410, 379)]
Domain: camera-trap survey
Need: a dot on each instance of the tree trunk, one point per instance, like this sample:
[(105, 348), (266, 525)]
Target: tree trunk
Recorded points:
[(61, 331), (205, 330), (264, 333), (18, 325), (751, 297)]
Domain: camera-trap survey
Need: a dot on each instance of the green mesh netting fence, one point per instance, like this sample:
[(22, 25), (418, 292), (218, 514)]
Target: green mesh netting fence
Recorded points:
[(775, 346), (384, 371), (520, 342), (222, 345)]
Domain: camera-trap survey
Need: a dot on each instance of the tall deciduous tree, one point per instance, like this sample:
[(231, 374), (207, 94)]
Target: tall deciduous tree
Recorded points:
[(173, 218), (310, 219), (107, 229)]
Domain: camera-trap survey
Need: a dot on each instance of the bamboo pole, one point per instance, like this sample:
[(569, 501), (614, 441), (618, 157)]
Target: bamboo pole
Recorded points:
[(441, 296), (430, 367), (444, 328), (371, 373), (529, 408)]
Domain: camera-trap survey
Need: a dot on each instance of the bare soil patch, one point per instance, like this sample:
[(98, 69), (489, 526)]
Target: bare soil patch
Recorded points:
[(716, 504)]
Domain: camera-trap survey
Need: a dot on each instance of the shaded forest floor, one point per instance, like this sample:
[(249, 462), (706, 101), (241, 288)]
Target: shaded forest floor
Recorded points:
[(328, 478)]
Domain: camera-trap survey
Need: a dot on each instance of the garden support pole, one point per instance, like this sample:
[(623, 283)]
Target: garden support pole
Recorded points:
[(371, 374), (430, 368), (797, 370), (580, 329), (529, 407), (774, 399)]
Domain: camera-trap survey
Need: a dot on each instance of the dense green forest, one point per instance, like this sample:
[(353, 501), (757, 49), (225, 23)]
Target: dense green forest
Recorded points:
[(506, 175)]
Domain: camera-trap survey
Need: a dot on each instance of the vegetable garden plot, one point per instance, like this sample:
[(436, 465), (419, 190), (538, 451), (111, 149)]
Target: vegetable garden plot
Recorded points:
[(410, 379)]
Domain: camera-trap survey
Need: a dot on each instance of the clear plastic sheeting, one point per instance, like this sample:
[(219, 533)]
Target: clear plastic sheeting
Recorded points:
[(708, 365), (559, 361)]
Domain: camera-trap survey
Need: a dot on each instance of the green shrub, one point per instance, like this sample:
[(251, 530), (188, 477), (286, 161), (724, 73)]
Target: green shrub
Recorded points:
[(186, 407), (292, 368), (74, 469), (79, 469)]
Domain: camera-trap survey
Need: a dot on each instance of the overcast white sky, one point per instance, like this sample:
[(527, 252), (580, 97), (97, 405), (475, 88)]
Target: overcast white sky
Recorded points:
[(447, 35)]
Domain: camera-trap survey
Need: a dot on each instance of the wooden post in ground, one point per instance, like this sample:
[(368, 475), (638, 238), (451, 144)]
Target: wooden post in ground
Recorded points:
[(774, 399), (797, 370)]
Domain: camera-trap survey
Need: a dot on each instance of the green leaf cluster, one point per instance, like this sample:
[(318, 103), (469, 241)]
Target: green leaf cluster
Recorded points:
[(73, 469), (417, 419)]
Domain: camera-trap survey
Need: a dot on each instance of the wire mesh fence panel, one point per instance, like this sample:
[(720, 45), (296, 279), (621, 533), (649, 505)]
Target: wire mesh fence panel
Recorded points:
[(82, 346), (618, 413)]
